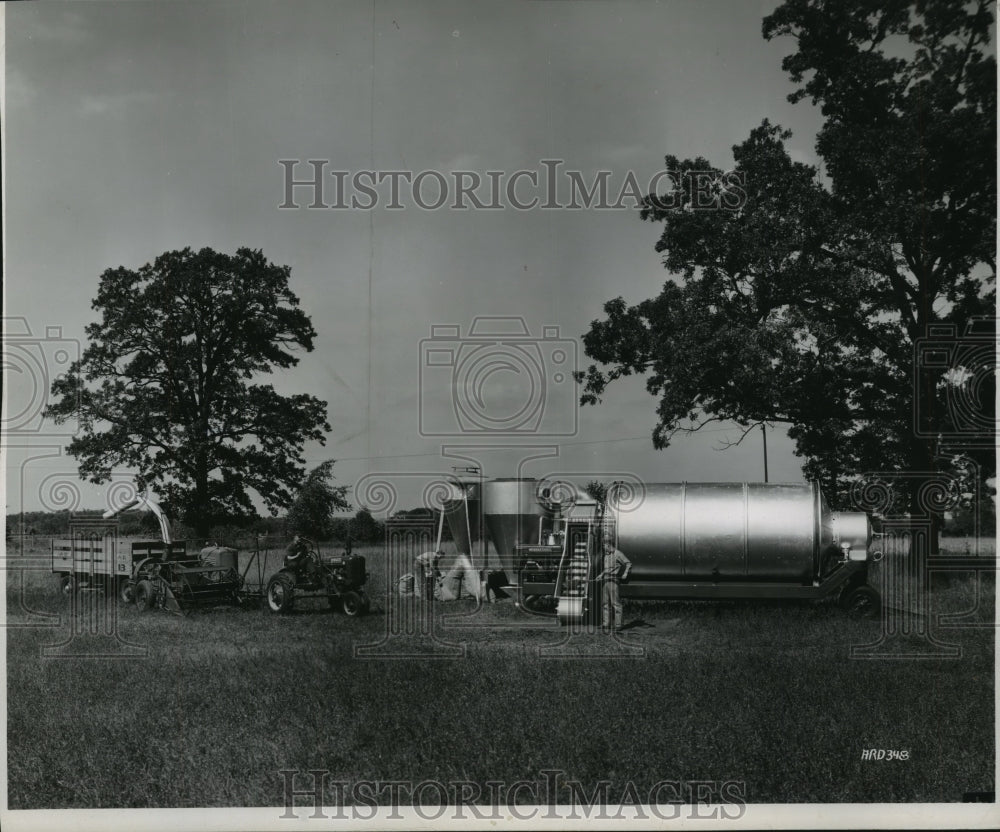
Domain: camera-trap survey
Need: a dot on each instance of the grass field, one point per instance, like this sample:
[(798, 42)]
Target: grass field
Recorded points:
[(763, 694)]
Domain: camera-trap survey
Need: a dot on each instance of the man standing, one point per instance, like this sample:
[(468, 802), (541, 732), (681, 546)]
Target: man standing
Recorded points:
[(427, 565), (615, 569)]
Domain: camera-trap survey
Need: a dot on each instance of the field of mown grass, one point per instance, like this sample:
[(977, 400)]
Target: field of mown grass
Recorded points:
[(765, 694)]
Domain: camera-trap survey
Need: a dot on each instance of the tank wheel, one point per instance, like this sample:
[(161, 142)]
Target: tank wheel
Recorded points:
[(280, 594), (540, 604), (126, 591), (144, 595), (862, 601), (67, 586), (351, 603)]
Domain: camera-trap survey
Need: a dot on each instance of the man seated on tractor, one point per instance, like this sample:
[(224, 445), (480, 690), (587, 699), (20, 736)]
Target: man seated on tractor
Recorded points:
[(297, 556)]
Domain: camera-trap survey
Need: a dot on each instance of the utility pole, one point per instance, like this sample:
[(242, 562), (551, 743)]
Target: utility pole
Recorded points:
[(763, 432)]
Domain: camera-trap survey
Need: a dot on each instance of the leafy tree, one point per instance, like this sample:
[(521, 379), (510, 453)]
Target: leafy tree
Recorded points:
[(312, 513), (422, 516), (801, 299), (597, 490), (364, 528), (170, 384)]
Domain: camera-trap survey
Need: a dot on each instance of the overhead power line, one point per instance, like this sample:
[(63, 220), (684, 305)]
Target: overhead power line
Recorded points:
[(561, 444)]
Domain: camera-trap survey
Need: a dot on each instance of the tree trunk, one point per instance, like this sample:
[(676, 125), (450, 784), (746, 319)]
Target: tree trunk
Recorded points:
[(924, 459), (201, 519)]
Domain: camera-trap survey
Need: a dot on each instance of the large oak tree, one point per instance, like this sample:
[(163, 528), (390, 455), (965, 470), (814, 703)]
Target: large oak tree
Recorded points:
[(802, 298), (172, 384)]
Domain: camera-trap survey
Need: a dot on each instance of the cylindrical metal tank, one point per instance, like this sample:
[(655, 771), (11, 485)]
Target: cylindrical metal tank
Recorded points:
[(766, 532), (512, 513)]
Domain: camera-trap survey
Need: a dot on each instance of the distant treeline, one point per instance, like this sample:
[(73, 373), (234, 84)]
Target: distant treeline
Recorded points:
[(361, 528)]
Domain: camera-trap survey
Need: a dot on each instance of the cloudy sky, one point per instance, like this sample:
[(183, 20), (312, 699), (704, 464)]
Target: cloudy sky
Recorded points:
[(133, 128)]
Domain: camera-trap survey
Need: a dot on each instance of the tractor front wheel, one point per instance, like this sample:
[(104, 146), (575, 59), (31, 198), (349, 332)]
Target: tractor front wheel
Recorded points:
[(352, 604), (280, 593), (144, 595)]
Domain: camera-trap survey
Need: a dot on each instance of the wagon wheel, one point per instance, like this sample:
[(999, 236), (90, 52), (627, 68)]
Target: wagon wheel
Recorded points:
[(351, 603), (280, 593), (862, 601), (144, 595), (126, 591)]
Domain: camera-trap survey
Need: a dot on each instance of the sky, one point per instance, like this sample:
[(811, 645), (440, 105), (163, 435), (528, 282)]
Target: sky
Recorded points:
[(134, 128)]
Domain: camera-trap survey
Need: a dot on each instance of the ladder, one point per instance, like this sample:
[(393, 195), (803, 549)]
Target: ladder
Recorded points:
[(573, 578)]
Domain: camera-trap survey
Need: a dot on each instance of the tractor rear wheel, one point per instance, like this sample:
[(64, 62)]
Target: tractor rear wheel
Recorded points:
[(280, 594), (144, 595), (351, 604)]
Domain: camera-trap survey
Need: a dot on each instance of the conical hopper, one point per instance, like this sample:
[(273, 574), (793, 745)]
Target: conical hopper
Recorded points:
[(512, 514), (463, 513)]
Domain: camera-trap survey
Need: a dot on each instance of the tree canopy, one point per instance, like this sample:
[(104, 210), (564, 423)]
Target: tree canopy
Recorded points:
[(318, 500), (597, 490), (171, 384), (805, 299)]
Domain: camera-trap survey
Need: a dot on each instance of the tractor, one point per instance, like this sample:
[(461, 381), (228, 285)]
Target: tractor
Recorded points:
[(339, 578)]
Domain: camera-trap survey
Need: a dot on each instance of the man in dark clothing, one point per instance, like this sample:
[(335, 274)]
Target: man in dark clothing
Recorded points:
[(295, 553)]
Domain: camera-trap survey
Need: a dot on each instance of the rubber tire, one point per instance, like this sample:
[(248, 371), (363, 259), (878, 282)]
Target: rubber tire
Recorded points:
[(126, 591), (366, 603), (283, 601), (67, 586), (144, 595), (352, 604), (862, 601)]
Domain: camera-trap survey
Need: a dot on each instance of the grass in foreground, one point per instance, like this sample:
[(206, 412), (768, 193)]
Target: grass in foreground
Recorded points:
[(765, 694)]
